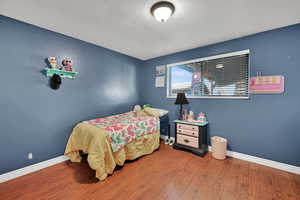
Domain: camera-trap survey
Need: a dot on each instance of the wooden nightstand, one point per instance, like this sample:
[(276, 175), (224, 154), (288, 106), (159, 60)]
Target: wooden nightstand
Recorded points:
[(191, 136)]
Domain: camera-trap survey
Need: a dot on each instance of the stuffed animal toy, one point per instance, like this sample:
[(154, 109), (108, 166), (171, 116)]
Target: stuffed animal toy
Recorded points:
[(67, 65), (53, 62), (55, 81)]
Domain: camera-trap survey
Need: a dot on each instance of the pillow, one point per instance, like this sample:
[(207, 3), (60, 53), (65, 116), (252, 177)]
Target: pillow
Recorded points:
[(140, 113), (161, 112), (151, 112), (156, 112)]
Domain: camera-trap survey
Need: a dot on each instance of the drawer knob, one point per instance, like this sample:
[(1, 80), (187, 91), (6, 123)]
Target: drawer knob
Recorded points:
[(185, 140)]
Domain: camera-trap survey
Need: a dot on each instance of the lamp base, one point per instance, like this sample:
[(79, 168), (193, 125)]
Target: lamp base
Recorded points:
[(180, 113)]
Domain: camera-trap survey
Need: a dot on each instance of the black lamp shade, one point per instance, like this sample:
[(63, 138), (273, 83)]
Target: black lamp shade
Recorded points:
[(181, 99)]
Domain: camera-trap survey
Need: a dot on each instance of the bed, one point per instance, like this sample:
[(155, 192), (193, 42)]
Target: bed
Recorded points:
[(109, 141)]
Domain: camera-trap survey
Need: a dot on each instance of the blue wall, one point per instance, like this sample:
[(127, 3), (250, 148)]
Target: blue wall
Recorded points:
[(266, 126), (35, 118)]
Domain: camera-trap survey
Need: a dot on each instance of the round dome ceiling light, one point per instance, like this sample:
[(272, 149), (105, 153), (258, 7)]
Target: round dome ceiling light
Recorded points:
[(219, 66), (162, 10)]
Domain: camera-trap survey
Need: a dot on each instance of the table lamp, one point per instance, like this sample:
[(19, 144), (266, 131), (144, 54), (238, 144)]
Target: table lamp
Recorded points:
[(181, 100)]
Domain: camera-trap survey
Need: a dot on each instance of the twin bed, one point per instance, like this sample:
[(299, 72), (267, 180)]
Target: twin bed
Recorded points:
[(111, 140)]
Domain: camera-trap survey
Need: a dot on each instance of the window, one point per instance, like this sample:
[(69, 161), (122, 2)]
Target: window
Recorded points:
[(222, 76)]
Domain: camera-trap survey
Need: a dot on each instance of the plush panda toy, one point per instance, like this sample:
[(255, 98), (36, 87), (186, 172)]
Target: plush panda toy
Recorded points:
[(55, 81)]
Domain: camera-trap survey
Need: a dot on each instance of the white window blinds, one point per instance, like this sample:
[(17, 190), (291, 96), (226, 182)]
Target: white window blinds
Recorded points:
[(218, 76)]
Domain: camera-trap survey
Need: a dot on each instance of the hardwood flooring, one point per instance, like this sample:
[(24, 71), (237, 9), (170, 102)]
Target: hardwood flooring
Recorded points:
[(165, 174)]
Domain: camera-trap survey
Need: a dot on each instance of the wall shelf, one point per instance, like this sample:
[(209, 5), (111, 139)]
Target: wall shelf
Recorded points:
[(63, 74)]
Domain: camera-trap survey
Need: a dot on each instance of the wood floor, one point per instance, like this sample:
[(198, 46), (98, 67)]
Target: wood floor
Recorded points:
[(165, 174)]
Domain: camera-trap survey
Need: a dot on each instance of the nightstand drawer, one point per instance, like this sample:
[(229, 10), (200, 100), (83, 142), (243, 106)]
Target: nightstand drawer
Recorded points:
[(188, 141), (187, 127), (188, 132)]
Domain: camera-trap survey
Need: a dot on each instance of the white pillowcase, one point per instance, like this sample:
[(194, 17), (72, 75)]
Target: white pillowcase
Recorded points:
[(161, 112)]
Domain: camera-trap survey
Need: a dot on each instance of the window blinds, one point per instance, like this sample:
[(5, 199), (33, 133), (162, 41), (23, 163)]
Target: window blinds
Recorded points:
[(225, 76), (219, 76)]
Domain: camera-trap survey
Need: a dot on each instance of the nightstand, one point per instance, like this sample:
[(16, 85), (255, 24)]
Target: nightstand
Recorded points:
[(191, 136)]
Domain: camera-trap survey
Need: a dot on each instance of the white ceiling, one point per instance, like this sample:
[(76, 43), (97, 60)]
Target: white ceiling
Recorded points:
[(127, 26)]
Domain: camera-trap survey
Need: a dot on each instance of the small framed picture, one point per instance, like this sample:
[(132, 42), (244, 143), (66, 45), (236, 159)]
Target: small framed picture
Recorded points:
[(160, 81), (160, 70)]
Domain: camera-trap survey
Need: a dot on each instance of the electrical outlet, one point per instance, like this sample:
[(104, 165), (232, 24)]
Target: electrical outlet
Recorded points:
[(30, 156)]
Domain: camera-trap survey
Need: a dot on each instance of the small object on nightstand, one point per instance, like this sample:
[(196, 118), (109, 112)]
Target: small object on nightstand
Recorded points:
[(191, 136), (191, 116), (185, 114), (201, 118)]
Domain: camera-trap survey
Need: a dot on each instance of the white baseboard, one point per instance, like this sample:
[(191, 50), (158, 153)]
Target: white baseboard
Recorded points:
[(258, 160), (38, 166), (32, 168), (262, 161)]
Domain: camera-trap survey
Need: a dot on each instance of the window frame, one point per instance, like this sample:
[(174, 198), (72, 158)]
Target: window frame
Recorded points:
[(236, 53)]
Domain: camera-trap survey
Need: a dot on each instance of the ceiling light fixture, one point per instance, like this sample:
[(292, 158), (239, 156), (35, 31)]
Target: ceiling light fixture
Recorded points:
[(219, 66), (162, 10)]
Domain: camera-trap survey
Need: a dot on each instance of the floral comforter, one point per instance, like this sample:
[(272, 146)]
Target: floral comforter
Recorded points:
[(124, 128)]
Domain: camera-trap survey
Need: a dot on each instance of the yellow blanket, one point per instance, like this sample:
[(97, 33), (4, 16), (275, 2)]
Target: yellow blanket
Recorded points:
[(93, 141)]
